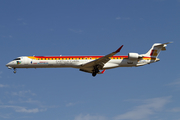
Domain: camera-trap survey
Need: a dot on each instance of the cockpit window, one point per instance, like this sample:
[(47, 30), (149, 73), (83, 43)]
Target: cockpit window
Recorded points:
[(17, 59)]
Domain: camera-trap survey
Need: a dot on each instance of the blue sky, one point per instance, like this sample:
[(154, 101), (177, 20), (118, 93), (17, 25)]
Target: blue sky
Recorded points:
[(91, 27)]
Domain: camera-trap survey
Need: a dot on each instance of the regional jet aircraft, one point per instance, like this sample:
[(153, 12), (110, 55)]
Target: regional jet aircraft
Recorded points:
[(91, 64)]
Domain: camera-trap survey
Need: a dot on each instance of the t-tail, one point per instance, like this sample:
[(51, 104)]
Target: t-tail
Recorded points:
[(156, 49)]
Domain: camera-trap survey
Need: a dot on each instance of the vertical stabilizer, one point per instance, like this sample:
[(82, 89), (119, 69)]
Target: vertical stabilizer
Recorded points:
[(156, 49)]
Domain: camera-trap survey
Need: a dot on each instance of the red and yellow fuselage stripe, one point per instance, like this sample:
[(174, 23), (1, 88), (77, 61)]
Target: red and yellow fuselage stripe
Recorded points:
[(79, 57)]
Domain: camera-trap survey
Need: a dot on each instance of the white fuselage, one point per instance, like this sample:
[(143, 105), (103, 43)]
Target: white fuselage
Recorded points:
[(75, 61)]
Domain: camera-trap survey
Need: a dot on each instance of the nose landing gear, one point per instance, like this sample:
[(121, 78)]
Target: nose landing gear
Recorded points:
[(14, 70)]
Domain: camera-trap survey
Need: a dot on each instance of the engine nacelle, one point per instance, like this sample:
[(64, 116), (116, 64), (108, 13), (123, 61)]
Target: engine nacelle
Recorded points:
[(133, 55)]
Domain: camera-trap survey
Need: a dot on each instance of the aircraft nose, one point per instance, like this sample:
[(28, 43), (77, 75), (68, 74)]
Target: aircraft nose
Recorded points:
[(9, 64)]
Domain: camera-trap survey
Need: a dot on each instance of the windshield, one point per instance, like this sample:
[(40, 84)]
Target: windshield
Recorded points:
[(17, 59)]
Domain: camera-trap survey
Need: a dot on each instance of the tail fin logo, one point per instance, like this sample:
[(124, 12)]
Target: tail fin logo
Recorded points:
[(154, 53)]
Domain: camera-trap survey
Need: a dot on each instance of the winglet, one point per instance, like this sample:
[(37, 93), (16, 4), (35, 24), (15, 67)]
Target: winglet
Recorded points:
[(103, 71), (168, 42), (118, 50)]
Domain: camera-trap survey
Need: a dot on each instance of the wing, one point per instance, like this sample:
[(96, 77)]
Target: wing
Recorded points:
[(88, 67)]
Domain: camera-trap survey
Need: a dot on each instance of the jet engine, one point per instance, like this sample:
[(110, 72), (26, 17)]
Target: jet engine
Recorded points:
[(134, 56)]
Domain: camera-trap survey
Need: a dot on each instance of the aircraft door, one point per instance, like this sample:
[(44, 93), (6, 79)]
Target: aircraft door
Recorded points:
[(26, 61)]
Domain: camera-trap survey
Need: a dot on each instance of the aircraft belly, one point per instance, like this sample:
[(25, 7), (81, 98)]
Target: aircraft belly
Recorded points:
[(120, 63), (128, 63)]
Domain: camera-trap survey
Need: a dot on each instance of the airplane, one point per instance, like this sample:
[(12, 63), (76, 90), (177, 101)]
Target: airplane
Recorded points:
[(91, 64)]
